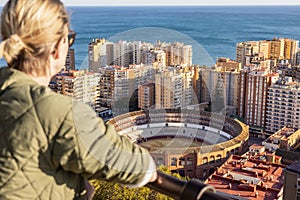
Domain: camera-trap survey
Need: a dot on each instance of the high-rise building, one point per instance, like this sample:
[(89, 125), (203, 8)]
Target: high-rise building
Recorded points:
[(283, 106), (146, 96), (70, 60), (245, 51), (168, 89), (255, 52), (177, 54), (114, 84), (136, 51), (220, 83), (174, 88), (291, 48), (252, 103), (298, 57), (86, 89), (78, 84), (122, 51), (106, 86), (97, 54), (117, 83), (227, 65)]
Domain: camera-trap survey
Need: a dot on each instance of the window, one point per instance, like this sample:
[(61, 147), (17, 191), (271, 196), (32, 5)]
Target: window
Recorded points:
[(173, 161), (159, 161), (181, 161), (189, 161)]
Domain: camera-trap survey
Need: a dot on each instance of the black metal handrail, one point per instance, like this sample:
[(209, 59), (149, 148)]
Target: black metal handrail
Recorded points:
[(187, 190)]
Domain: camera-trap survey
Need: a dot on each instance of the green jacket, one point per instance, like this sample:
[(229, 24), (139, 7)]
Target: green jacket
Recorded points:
[(49, 144)]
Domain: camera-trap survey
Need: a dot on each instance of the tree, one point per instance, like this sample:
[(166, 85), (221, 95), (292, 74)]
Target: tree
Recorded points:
[(108, 190)]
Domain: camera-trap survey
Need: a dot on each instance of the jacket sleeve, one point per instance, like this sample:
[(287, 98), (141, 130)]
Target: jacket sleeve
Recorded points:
[(87, 146)]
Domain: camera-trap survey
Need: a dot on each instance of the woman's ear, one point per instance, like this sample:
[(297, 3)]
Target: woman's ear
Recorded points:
[(56, 49), (58, 55)]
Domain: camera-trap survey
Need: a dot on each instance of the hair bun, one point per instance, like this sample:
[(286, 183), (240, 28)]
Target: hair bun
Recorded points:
[(11, 47)]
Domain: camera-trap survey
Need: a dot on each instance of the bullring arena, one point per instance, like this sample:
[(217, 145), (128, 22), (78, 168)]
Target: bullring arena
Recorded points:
[(189, 142)]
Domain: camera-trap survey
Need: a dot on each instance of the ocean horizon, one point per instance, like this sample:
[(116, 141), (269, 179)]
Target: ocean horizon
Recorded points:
[(213, 31)]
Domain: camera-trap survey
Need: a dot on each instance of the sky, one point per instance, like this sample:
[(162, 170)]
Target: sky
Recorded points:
[(174, 2)]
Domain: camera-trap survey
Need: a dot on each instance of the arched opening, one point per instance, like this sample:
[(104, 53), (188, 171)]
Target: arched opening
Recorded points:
[(205, 160), (232, 151), (212, 159), (227, 154), (237, 150)]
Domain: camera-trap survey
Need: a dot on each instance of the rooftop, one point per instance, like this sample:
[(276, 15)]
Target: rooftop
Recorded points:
[(249, 177), (282, 134)]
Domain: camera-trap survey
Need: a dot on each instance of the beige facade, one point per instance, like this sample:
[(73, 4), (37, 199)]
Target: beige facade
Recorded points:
[(168, 90), (225, 78), (285, 138), (174, 88), (99, 54), (254, 52), (146, 96), (227, 65)]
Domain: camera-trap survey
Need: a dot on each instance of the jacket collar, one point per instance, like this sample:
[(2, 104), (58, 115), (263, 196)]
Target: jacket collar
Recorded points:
[(10, 76)]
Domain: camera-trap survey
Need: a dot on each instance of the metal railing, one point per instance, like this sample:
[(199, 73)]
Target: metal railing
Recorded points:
[(187, 190)]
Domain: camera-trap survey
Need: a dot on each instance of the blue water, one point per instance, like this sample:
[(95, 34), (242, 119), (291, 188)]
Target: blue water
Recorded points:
[(211, 29)]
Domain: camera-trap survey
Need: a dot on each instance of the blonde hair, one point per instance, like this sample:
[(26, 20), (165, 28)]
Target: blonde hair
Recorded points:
[(29, 28)]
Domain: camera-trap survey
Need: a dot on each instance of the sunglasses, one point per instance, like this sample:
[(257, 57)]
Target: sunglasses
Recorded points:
[(71, 37)]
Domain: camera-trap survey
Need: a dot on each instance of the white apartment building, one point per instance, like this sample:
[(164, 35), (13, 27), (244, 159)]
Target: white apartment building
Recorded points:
[(283, 106), (123, 53), (168, 89), (118, 83), (177, 54), (86, 89), (136, 51), (80, 85), (227, 82)]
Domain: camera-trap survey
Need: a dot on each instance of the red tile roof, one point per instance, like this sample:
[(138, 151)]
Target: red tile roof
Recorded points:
[(248, 177)]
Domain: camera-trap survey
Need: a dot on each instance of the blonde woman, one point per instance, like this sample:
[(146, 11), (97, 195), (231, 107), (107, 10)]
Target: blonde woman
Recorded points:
[(50, 145)]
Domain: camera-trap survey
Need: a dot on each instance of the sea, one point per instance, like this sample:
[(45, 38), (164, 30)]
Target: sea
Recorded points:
[(213, 31)]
